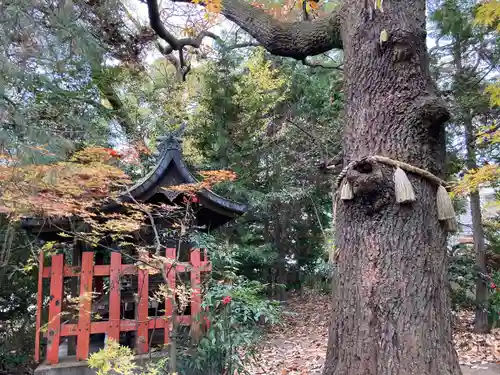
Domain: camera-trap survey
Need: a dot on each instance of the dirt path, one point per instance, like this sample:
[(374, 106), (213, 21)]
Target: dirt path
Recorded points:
[(298, 347)]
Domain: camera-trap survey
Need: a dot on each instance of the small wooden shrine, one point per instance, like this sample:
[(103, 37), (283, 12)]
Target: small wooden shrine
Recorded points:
[(121, 289)]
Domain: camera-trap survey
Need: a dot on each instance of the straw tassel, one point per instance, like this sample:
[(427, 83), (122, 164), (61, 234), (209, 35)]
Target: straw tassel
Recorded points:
[(402, 187), (346, 193), (444, 205), (451, 225)]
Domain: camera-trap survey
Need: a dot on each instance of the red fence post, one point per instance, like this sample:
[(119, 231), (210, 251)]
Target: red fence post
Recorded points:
[(114, 296), (85, 303), (55, 306), (195, 296), (39, 306), (170, 272), (142, 306)]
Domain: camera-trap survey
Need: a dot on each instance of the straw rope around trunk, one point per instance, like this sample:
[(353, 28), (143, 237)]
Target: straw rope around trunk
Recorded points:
[(402, 186)]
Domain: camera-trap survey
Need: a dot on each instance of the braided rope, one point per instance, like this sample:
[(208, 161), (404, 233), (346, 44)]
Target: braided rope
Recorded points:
[(403, 189), (394, 163)]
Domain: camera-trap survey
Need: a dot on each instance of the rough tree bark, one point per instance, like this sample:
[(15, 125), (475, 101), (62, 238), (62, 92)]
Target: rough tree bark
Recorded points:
[(391, 313)]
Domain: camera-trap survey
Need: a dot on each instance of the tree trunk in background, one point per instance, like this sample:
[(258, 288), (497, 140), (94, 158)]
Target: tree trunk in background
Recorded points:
[(269, 276), (481, 320), (462, 76), (278, 242), (391, 310)]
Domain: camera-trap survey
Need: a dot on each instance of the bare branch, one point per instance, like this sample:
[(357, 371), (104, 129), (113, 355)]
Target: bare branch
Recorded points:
[(180, 67), (160, 29), (192, 42), (243, 45), (292, 39), (303, 130)]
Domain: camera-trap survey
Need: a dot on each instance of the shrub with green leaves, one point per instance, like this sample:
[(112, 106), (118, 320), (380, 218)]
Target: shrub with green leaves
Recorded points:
[(233, 313), (319, 276), (462, 277), (494, 300)]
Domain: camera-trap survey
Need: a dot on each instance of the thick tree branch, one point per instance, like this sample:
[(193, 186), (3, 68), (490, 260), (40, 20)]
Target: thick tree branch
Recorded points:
[(315, 64), (192, 42), (292, 39), (243, 45), (182, 68)]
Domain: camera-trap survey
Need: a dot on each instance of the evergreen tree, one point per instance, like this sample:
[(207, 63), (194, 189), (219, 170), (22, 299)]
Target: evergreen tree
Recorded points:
[(467, 56)]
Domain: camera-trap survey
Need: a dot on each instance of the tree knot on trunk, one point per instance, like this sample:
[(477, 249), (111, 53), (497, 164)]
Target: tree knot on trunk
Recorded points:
[(433, 109), (365, 176), (367, 181), (403, 44)]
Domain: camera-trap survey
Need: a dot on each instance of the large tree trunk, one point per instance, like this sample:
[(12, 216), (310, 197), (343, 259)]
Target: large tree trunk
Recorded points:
[(391, 312), (481, 320)]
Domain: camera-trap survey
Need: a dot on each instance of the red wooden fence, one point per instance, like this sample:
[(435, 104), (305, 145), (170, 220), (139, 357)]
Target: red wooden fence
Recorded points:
[(87, 274)]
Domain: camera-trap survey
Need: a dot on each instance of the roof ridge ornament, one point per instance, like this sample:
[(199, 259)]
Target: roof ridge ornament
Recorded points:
[(171, 141)]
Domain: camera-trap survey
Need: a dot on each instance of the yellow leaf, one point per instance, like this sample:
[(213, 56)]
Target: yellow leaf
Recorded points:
[(474, 178), (488, 14), (106, 104), (314, 4), (213, 6), (378, 5), (384, 36), (494, 91)]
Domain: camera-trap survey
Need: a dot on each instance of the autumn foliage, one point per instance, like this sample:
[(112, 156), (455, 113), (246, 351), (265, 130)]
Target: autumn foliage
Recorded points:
[(79, 186), (63, 188), (474, 178), (210, 178)]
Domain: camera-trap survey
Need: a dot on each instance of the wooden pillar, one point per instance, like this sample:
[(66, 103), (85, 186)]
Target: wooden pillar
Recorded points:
[(55, 307), (142, 342), (114, 297), (75, 261), (85, 315), (170, 253), (196, 294), (39, 305), (99, 280)]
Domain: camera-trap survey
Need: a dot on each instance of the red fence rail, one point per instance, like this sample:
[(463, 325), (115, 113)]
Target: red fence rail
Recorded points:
[(87, 274)]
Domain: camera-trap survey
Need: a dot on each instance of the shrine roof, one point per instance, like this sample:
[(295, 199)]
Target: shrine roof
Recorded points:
[(169, 170)]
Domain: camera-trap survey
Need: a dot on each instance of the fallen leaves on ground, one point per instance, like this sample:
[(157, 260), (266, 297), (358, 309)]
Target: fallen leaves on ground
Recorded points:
[(475, 348), (298, 346)]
